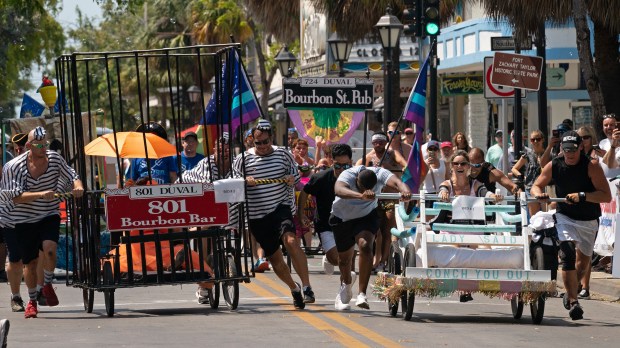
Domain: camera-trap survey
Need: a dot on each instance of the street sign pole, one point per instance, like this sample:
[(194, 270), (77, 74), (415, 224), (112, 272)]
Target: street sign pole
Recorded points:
[(432, 92), (504, 122), (541, 51), (518, 117)]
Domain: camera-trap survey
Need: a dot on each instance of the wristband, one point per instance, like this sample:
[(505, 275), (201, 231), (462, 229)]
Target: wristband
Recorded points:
[(582, 196)]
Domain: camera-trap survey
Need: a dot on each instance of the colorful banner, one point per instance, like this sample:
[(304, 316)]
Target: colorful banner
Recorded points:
[(335, 126)]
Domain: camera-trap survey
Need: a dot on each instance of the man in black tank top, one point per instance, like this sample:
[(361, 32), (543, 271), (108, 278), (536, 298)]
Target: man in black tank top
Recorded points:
[(487, 174), (584, 187)]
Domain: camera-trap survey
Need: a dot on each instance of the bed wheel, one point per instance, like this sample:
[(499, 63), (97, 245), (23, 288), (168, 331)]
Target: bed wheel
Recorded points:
[(89, 299), (231, 287), (108, 294), (395, 268), (517, 307), (409, 262), (537, 308)]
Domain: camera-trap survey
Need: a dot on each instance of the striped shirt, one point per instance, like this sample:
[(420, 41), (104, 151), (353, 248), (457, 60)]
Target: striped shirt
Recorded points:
[(202, 171), (16, 179), (263, 199)]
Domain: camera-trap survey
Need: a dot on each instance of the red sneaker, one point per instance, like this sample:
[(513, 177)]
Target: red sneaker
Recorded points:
[(31, 309), (50, 295)]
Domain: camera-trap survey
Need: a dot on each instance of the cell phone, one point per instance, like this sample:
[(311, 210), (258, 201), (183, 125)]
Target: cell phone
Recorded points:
[(555, 133), (596, 147), (617, 125)]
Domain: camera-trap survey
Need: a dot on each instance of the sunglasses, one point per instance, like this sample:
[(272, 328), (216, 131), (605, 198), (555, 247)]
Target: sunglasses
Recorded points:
[(380, 142), (339, 166), (264, 142), (535, 140), (408, 133), (432, 149), (476, 165), (304, 168), (322, 167), (393, 132), (573, 150), (612, 115), (586, 137), (459, 164), (41, 146)]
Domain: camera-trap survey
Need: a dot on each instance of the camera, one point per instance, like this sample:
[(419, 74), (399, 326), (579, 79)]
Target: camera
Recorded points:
[(555, 133), (596, 147)]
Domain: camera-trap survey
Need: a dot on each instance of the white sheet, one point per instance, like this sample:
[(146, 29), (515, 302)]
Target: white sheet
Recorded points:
[(445, 256)]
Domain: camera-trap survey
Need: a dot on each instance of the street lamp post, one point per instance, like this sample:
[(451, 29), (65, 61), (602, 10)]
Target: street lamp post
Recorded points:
[(286, 62), (194, 94), (390, 29), (340, 49)]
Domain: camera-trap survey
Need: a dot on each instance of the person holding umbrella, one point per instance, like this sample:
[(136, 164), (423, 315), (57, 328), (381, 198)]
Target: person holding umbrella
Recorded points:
[(163, 170)]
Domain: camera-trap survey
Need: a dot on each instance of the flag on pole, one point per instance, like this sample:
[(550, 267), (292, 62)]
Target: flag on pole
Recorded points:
[(414, 112), (30, 106), (244, 106)]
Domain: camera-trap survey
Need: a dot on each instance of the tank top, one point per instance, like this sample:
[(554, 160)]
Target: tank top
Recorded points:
[(571, 179), (435, 177), (483, 177)]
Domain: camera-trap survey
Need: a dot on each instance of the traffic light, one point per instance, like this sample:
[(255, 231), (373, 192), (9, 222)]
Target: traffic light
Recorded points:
[(412, 18), (431, 17)]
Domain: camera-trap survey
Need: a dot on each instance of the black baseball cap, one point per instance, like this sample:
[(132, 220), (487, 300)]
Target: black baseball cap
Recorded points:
[(571, 140)]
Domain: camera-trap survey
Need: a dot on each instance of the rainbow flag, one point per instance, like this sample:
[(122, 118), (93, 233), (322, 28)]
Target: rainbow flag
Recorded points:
[(244, 106), (415, 111)]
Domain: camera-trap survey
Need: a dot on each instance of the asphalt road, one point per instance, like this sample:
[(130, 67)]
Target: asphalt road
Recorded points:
[(169, 316)]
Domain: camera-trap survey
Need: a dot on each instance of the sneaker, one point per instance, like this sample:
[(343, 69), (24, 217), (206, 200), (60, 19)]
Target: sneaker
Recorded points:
[(584, 294), (41, 300), (202, 295), (50, 295), (362, 301), (328, 268), (339, 305), (298, 298), (17, 304), (308, 295), (263, 266), (346, 292), (575, 312), (565, 301), (31, 309), (466, 298), (4, 332)]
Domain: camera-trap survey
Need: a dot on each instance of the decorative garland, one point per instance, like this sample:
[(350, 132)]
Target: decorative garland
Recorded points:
[(392, 287)]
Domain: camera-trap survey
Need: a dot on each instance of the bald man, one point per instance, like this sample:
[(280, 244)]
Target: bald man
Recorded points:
[(31, 218)]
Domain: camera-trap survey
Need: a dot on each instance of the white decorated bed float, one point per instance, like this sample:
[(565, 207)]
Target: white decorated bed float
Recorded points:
[(492, 259)]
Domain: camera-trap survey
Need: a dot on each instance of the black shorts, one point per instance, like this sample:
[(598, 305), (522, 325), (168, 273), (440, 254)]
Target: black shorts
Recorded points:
[(345, 231), (269, 229), (25, 240), (1, 235)]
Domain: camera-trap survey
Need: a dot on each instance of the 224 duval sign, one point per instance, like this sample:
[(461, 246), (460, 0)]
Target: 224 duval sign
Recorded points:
[(163, 206), (328, 92)]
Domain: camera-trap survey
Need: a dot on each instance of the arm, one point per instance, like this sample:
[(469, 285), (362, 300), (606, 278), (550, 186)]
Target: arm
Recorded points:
[(303, 197), (395, 183), (173, 177), (318, 140), (343, 190), (516, 169), (610, 157), (503, 180), (546, 157), (602, 193)]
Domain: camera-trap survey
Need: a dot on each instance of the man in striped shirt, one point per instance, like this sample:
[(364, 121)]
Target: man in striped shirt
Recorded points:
[(271, 208), (29, 213)]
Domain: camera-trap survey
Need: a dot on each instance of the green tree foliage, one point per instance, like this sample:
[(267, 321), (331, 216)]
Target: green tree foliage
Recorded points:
[(28, 34)]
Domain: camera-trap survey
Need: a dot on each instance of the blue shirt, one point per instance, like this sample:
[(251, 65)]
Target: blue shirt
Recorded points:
[(160, 169), (188, 163)]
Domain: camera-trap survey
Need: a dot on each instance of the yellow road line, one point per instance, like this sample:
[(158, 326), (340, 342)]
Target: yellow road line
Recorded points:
[(355, 327), (312, 319)]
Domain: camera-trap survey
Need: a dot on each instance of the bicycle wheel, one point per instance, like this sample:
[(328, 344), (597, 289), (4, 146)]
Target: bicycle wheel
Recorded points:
[(89, 299), (231, 287), (409, 262), (108, 294), (537, 308), (394, 268)]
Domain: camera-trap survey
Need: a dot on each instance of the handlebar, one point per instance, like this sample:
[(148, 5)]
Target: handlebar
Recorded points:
[(437, 198)]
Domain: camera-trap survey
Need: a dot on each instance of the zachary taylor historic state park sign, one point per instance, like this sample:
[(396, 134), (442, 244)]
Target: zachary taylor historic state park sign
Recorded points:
[(328, 92)]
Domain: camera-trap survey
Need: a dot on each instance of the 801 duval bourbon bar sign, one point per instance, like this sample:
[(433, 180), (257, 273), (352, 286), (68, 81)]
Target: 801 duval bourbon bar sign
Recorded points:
[(163, 206)]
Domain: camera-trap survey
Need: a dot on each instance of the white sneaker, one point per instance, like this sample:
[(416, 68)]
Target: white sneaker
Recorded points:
[(341, 306), (202, 295), (345, 293), (362, 301), (328, 268), (353, 279)]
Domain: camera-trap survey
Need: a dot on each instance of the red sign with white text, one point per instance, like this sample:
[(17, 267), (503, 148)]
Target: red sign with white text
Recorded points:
[(163, 206)]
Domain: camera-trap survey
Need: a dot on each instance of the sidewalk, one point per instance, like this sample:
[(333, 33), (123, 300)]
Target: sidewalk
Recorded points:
[(602, 286)]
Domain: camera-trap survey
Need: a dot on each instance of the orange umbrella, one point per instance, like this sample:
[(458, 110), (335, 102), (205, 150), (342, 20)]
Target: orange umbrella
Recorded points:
[(131, 145)]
